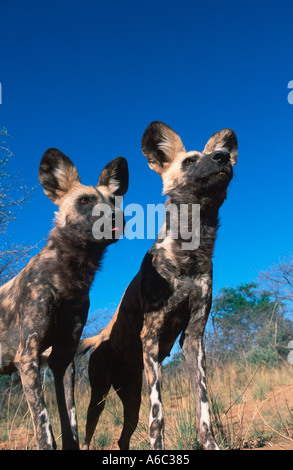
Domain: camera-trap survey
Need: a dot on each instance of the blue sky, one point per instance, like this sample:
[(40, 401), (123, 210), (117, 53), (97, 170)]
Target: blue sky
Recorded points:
[(88, 77)]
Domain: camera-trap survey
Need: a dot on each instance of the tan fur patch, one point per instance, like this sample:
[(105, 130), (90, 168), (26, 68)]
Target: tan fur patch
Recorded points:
[(68, 201), (66, 176), (173, 176), (171, 144)]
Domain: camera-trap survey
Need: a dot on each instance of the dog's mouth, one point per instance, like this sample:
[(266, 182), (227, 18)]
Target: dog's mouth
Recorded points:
[(107, 232), (117, 229), (223, 174), (221, 177), (116, 232)]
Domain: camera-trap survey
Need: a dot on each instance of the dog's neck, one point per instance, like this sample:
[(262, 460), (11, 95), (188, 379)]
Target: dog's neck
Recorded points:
[(170, 254), (73, 260)]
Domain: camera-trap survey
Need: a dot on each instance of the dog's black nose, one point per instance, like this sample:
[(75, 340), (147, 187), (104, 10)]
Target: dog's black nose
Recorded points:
[(221, 156)]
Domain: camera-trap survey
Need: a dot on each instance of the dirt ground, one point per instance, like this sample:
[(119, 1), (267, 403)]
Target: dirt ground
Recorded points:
[(281, 445), (278, 403)]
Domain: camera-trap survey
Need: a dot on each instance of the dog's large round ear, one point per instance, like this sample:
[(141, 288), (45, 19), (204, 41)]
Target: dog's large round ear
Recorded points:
[(57, 174), (223, 140), (160, 145), (115, 177)]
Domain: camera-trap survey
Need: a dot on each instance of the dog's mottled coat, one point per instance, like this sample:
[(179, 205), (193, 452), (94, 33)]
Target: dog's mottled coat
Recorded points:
[(170, 295), (45, 306)]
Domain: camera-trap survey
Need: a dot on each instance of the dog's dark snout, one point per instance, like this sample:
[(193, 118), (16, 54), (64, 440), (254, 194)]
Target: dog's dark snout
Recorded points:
[(221, 156)]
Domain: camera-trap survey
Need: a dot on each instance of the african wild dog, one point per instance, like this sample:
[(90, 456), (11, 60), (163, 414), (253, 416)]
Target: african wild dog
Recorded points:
[(46, 304), (171, 294)]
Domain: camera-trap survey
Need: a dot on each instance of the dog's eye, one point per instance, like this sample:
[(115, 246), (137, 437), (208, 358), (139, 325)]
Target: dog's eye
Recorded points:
[(188, 161), (84, 200)]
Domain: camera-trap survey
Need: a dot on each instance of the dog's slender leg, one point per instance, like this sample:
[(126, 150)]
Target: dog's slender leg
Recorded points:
[(128, 389), (152, 375), (31, 382), (69, 383), (193, 350), (100, 365), (27, 363), (69, 439), (61, 366)]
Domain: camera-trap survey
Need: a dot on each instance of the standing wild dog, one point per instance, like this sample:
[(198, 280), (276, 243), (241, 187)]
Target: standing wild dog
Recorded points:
[(46, 304), (171, 294)]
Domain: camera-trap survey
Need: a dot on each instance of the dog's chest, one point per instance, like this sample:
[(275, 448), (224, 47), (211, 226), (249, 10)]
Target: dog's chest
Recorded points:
[(188, 288), (189, 297)]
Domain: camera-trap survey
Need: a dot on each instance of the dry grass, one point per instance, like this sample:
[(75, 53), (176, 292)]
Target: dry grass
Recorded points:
[(250, 408)]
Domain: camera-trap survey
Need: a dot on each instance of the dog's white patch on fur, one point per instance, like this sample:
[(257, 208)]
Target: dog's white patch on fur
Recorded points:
[(155, 400), (46, 426), (60, 220), (205, 418), (204, 406), (73, 422)]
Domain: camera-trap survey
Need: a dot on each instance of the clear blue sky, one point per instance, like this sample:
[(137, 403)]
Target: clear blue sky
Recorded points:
[(89, 76)]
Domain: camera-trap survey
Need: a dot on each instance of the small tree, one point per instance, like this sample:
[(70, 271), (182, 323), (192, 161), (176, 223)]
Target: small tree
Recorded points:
[(13, 194), (247, 323), (278, 280)]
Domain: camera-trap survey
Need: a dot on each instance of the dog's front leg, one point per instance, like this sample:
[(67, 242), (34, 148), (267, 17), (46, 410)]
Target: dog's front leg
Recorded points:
[(28, 367), (63, 372), (193, 350), (69, 384), (151, 367)]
